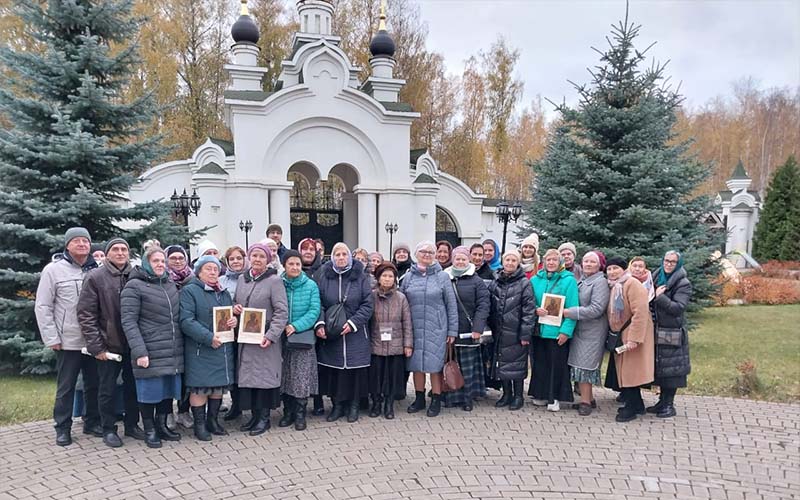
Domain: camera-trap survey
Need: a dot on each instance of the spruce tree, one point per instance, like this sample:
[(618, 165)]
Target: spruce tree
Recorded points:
[(615, 177), (71, 149), (778, 231)]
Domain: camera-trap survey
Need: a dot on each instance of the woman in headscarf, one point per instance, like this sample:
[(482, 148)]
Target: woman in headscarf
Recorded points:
[(672, 295), (472, 298), (276, 261), (434, 314), (401, 258), (259, 365), (344, 354), (529, 250), (375, 260), (209, 361), (236, 261), (629, 315), (550, 380), (491, 254), (588, 344), (180, 273), (513, 319), (444, 251), (639, 270)]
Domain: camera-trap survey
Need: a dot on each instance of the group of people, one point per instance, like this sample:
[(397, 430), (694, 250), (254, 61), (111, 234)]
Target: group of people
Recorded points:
[(362, 324)]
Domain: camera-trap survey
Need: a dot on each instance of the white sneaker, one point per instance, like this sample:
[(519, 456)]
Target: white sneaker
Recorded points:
[(185, 420), (539, 402), (554, 407)]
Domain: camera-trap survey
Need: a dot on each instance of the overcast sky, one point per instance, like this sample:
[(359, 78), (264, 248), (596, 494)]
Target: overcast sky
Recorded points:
[(709, 43)]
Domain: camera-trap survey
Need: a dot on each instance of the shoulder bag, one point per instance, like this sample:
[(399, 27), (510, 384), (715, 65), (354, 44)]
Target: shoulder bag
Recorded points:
[(336, 317), (614, 339), (452, 379)]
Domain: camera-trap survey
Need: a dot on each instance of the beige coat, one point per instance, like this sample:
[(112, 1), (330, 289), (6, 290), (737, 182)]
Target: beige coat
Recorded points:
[(636, 367)]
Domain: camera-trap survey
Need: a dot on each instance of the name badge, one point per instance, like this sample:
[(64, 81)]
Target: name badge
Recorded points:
[(386, 333)]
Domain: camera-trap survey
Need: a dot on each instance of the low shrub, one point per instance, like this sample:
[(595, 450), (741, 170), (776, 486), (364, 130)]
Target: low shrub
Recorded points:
[(787, 269), (747, 383), (760, 289)]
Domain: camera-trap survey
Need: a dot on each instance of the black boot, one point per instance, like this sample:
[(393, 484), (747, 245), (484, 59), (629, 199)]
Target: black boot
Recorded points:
[(388, 408), (436, 405), (505, 400), (111, 438), (262, 423), (163, 431), (336, 413), (300, 414), (288, 417), (419, 402), (352, 413), (235, 411), (517, 401), (250, 423), (151, 438), (319, 406), (135, 432), (212, 422), (656, 407), (668, 408), (375, 410), (200, 429), (63, 437)]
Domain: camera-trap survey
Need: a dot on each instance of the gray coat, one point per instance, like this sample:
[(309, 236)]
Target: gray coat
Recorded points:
[(434, 316), (588, 342), (261, 368)]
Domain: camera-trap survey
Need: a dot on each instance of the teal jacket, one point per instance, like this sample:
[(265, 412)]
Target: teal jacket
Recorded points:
[(204, 365), (303, 296), (562, 283)]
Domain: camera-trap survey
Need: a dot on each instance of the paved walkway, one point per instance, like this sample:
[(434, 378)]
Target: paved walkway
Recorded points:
[(715, 448)]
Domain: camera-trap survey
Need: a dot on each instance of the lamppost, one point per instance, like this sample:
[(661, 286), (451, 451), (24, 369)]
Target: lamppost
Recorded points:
[(246, 227), (184, 205), (391, 229), (504, 213)]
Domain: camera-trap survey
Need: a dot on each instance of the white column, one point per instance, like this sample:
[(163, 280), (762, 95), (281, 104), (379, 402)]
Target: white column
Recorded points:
[(395, 207), (279, 212), (425, 226), (350, 223), (367, 220)]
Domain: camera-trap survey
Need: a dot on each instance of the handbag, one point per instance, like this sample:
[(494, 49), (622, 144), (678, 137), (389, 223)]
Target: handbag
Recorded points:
[(669, 336), (301, 341), (614, 339), (453, 380), (486, 336), (336, 317)]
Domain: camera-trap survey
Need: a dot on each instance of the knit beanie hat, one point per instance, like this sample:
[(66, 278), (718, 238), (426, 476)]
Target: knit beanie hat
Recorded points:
[(263, 247), (617, 261), (175, 248), (274, 227), (532, 240), (204, 246), (461, 250), (116, 241), (290, 252), (383, 267), (569, 246), (76, 232), (205, 259)]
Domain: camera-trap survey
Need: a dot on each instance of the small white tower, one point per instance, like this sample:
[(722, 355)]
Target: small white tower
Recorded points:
[(316, 17), (245, 73), (382, 85)]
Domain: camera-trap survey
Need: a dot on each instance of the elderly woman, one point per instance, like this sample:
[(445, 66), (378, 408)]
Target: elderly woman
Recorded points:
[(638, 267), (491, 254), (259, 365), (235, 260), (362, 255), (529, 250), (178, 265), (512, 319), (550, 380), (444, 253), (150, 308), (629, 315), (209, 361), (434, 314), (472, 298), (299, 379), (672, 295), (392, 342), (401, 258), (344, 354), (568, 255), (375, 260), (276, 261), (588, 343)]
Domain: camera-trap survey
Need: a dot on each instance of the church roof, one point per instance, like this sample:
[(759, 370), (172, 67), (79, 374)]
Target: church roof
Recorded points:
[(742, 206), (425, 179), (402, 107), (211, 168), (739, 172), (227, 146), (728, 195)]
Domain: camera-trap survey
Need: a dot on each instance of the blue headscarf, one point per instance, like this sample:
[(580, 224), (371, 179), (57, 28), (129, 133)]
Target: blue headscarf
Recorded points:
[(663, 277), (349, 265), (495, 263)]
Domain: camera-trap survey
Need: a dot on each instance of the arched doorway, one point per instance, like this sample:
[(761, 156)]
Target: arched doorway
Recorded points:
[(316, 208), (446, 228)]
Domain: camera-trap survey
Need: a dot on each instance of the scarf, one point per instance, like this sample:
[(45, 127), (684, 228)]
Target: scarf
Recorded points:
[(647, 281), (495, 263), (179, 275), (347, 267), (529, 264), (217, 287), (149, 269), (560, 268), (457, 273), (663, 277), (618, 305)]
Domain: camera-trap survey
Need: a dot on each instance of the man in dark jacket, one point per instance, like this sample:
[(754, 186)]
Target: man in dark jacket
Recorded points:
[(275, 233), (101, 325)]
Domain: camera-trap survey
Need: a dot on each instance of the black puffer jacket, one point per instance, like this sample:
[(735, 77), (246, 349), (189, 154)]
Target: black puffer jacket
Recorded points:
[(150, 308), (472, 296), (669, 308), (512, 318)]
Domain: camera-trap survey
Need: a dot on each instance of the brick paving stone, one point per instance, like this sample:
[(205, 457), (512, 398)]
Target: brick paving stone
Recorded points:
[(718, 448)]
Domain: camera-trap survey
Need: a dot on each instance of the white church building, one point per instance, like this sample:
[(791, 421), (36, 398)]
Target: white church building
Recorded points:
[(323, 155)]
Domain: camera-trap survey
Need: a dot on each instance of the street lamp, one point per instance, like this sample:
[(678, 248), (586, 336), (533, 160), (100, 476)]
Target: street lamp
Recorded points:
[(391, 229), (184, 205), (246, 227), (504, 213)]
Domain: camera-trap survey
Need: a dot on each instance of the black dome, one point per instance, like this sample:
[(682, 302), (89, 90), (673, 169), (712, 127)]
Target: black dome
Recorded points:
[(382, 45), (244, 30)]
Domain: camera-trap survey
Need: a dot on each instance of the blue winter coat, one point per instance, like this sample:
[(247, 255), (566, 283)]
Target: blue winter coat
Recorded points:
[(204, 365), (351, 350), (434, 315), (303, 296)]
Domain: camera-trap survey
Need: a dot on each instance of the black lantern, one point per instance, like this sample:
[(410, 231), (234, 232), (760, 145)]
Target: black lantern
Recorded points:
[(505, 213), (391, 228), (183, 205), (246, 227)]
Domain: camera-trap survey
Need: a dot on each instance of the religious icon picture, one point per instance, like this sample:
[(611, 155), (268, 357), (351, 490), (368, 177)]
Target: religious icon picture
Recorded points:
[(555, 309), (221, 317), (253, 322)]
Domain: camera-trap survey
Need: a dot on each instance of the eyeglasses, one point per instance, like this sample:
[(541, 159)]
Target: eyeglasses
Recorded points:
[(426, 252), (670, 261)]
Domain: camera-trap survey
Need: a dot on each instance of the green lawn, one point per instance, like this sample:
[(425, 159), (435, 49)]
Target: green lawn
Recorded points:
[(26, 398)]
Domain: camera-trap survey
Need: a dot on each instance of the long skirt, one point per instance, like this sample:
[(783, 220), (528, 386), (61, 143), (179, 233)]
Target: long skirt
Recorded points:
[(551, 377), (471, 363), (387, 376), (259, 399), (487, 358), (299, 378), (156, 389), (344, 384)]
